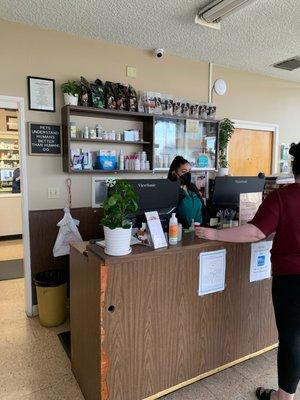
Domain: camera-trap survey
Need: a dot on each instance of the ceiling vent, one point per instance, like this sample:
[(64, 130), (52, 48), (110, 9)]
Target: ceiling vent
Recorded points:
[(289, 65)]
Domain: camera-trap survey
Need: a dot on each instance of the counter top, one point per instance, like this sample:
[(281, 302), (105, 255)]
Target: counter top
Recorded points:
[(189, 241)]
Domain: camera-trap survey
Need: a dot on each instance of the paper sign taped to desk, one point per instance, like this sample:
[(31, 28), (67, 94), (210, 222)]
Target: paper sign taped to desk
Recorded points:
[(260, 267), (212, 267)]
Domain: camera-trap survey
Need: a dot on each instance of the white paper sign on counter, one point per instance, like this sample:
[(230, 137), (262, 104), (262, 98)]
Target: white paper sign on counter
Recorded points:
[(212, 268), (260, 267), (249, 204)]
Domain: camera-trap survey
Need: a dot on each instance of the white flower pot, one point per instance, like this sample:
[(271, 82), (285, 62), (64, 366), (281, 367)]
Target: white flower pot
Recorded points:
[(70, 99), (223, 171), (117, 241)]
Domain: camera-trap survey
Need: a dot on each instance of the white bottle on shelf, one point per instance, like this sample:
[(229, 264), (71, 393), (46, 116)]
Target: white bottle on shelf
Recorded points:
[(127, 163), (86, 134), (137, 163), (121, 161)]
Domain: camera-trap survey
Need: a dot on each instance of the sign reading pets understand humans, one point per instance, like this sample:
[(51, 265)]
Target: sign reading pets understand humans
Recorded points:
[(44, 139)]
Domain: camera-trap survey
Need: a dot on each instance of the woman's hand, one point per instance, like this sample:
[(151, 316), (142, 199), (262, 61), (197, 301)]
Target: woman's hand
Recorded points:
[(206, 233)]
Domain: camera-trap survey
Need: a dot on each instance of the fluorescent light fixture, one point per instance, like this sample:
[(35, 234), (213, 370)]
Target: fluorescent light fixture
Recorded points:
[(219, 9)]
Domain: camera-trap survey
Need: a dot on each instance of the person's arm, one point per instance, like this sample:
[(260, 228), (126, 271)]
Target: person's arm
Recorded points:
[(242, 234), (263, 224)]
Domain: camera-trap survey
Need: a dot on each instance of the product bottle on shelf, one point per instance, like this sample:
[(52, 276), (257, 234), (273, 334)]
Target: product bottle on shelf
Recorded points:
[(121, 161), (127, 163), (137, 163), (173, 230), (86, 132)]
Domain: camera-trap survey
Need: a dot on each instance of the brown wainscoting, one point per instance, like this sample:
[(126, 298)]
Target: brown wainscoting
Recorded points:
[(43, 233)]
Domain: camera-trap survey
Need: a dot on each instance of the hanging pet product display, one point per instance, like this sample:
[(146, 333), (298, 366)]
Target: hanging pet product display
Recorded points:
[(131, 99), (110, 95), (97, 94), (85, 93)]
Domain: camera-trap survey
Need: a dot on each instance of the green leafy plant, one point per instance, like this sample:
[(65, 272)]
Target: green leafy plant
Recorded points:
[(71, 87), (226, 131), (120, 202)]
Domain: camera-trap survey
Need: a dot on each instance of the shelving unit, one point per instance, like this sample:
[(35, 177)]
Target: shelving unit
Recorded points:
[(147, 143), (98, 141), (9, 144)]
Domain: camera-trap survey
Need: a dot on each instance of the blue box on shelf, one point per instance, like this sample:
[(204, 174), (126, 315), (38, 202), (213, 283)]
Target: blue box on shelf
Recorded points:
[(106, 160)]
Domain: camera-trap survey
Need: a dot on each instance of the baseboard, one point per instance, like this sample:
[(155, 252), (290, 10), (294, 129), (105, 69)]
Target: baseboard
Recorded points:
[(209, 373), (35, 310)]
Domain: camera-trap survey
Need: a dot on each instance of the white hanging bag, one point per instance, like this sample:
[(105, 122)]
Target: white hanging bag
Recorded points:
[(68, 233)]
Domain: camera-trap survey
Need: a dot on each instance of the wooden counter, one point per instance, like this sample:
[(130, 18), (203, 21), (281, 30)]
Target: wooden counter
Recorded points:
[(157, 334)]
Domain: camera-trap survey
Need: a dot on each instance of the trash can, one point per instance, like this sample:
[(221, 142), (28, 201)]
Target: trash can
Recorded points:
[(51, 289)]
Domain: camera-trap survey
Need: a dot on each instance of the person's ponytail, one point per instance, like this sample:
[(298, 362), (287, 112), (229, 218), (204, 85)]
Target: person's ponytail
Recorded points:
[(295, 152)]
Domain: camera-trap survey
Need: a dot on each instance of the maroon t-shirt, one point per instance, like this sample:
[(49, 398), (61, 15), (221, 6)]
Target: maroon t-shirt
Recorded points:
[(280, 213)]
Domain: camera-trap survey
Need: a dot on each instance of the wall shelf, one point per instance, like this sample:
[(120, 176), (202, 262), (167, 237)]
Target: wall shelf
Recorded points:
[(9, 150), (102, 171), (146, 144), (99, 141)]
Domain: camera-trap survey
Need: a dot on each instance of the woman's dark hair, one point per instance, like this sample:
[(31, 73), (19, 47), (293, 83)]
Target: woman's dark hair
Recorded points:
[(175, 165), (295, 152)]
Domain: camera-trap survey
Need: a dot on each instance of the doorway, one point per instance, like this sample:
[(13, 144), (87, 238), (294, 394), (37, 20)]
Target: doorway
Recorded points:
[(11, 244), (252, 149), (14, 227)]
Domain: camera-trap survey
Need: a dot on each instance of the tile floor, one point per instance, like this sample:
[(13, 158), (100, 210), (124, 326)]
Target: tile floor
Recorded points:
[(34, 366), (11, 250)]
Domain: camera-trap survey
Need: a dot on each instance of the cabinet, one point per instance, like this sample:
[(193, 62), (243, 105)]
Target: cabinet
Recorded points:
[(161, 137), (171, 138), (9, 148)]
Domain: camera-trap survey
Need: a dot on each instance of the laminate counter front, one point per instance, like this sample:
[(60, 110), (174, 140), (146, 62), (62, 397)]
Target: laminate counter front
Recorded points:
[(139, 329)]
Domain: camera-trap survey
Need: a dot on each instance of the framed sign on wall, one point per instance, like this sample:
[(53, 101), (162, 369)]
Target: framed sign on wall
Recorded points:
[(44, 139), (41, 94)]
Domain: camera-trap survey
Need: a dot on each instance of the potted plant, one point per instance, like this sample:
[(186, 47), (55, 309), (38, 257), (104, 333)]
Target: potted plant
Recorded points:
[(120, 202), (71, 92), (226, 131)]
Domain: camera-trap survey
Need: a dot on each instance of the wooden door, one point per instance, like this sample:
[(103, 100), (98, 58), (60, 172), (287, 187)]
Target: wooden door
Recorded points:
[(250, 152)]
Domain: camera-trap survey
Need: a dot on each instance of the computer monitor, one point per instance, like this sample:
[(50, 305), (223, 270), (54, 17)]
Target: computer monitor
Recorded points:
[(156, 195), (227, 189)]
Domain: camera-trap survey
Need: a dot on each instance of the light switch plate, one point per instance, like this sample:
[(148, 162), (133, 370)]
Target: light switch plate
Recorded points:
[(131, 72), (53, 193)]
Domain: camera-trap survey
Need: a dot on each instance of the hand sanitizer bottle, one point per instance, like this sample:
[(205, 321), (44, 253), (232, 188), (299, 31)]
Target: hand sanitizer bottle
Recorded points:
[(173, 230)]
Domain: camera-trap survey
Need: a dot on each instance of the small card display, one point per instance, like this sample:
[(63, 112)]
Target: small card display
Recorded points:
[(155, 229)]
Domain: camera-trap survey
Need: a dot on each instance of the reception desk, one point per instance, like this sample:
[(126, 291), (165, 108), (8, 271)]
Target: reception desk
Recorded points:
[(139, 330)]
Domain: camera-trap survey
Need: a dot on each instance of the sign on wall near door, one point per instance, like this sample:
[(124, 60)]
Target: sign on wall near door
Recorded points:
[(44, 139)]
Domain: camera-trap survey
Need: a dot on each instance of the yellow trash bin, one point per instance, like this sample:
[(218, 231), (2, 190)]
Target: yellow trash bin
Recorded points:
[(51, 289)]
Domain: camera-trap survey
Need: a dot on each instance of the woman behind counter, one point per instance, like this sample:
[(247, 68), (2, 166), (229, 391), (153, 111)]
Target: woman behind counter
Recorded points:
[(279, 213), (190, 205)]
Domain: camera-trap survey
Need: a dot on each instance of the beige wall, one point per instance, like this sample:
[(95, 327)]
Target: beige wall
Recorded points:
[(27, 50)]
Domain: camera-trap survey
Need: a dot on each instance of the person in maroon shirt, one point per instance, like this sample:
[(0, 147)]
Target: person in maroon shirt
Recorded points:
[(279, 214)]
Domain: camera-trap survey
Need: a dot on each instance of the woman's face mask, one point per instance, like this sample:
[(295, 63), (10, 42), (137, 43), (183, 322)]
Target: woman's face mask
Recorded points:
[(186, 178)]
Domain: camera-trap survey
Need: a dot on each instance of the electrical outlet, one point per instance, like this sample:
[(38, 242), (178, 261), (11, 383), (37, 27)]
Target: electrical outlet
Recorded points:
[(131, 72), (53, 193)]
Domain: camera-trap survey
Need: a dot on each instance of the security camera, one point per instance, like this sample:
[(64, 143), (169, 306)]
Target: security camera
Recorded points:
[(159, 53)]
